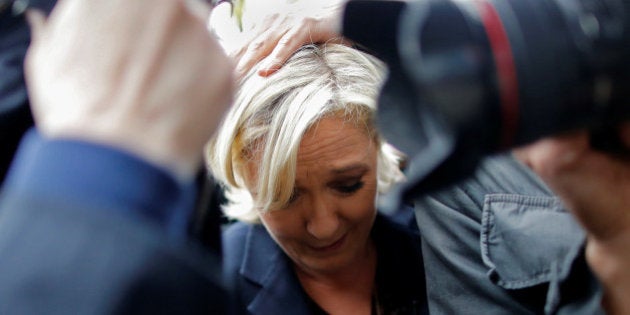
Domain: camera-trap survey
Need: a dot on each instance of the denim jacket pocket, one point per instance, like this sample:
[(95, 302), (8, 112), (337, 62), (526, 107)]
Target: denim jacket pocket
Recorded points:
[(528, 240)]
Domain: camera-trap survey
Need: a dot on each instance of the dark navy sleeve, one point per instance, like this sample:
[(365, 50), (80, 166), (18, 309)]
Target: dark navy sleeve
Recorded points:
[(79, 172)]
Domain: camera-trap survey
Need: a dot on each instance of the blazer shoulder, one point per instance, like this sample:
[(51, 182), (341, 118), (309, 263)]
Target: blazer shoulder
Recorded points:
[(234, 239), (235, 232)]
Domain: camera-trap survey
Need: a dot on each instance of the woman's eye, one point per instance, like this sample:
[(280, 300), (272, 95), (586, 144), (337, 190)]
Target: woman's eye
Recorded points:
[(294, 196), (349, 188)]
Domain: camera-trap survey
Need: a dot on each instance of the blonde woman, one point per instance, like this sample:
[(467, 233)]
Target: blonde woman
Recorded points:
[(302, 165)]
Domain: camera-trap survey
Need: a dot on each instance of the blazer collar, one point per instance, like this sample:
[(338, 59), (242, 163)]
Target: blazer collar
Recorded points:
[(266, 264)]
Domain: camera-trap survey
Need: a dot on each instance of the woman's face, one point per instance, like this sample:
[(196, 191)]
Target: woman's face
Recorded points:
[(326, 225)]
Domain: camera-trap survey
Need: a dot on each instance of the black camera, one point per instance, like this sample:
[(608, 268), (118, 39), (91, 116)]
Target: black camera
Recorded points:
[(474, 77)]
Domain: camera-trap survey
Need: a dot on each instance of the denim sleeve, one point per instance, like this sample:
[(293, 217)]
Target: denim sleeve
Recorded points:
[(502, 243), (100, 177)]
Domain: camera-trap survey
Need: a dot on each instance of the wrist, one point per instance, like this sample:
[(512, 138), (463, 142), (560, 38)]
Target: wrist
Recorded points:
[(610, 261), (96, 177), (159, 148)]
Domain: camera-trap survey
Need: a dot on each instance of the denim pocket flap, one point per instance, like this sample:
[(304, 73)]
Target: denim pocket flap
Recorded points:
[(527, 240)]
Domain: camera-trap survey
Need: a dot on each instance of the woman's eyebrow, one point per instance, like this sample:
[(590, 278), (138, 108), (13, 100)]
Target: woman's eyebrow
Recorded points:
[(350, 168)]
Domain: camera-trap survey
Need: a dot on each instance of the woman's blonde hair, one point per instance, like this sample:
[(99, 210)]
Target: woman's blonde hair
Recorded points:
[(271, 115)]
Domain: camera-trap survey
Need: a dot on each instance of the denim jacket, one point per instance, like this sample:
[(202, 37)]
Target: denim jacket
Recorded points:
[(501, 243)]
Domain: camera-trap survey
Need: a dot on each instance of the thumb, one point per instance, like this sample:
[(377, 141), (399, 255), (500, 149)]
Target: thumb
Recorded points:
[(37, 21)]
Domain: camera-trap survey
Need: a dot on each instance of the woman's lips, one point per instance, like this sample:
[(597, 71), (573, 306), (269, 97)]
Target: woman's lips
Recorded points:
[(332, 247)]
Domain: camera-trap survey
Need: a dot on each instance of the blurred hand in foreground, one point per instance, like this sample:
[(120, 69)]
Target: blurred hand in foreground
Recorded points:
[(145, 76)]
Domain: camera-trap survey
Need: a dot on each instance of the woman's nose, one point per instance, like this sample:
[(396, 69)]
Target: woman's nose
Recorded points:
[(323, 221)]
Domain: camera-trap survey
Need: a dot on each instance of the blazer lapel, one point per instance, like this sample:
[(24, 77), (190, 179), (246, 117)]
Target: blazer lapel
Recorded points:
[(266, 264)]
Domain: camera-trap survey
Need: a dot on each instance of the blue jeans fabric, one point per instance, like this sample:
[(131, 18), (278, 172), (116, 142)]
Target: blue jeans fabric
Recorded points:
[(501, 243)]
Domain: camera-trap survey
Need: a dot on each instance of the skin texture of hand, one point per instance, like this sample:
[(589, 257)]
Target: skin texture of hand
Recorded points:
[(144, 76), (281, 34), (596, 187)]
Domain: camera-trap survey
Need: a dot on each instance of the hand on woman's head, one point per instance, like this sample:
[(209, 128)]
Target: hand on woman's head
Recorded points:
[(283, 31)]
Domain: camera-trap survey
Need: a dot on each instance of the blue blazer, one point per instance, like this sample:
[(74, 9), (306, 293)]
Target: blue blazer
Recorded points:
[(265, 283), (62, 258)]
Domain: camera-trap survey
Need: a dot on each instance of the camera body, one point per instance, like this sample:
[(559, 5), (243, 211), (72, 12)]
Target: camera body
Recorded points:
[(475, 77)]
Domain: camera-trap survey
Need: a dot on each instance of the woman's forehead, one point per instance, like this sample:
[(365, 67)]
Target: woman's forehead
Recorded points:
[(335, 141)]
